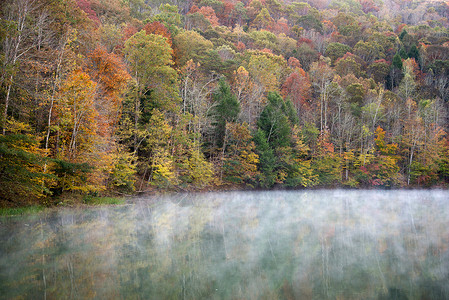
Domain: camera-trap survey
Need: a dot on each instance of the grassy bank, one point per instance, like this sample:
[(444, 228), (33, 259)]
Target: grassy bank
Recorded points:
[(93, 200), (18, 211), (68, 201)]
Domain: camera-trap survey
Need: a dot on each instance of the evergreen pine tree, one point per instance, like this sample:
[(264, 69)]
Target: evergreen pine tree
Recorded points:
[(267, 160), (226, 110)]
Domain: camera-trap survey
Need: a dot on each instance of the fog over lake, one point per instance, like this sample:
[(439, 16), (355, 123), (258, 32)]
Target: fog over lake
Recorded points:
[(322, 244)]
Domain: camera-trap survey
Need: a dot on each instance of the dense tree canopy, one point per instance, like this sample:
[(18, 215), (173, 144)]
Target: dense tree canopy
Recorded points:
[(124, 96)]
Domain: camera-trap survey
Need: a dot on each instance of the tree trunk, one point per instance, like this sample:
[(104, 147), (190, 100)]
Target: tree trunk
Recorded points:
[(5, 110), (53, 93)]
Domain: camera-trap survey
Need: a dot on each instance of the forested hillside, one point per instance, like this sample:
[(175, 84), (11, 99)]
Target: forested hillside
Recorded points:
[(135, 95)]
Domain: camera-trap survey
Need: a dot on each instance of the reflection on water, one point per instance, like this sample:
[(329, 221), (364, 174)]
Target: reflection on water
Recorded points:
[(236, 245)]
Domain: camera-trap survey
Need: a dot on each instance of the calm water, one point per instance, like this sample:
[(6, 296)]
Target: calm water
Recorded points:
[(235, 245)]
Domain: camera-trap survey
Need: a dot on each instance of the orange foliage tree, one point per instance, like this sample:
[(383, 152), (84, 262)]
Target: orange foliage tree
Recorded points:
[(109, 72)]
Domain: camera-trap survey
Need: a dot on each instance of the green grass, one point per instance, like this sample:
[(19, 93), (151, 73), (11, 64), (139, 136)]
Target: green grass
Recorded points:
[(16, 211), (91, 200)]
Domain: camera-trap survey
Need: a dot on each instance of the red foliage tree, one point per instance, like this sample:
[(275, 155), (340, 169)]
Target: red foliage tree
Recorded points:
[(304, 40), (209, 13), (87, 8), (240, 46), (193, 9), (294, 63), (281, 26), (369, 6), (129, 31), (159, 29), (297, 87), (225, 14)]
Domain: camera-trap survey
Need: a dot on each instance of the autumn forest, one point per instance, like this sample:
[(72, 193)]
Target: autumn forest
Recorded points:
[(128, 96)]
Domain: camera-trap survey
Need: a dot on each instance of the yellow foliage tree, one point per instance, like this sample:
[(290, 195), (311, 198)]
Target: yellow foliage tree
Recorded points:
[(77, 136), (161, 163), (199, 170), (240, 162)]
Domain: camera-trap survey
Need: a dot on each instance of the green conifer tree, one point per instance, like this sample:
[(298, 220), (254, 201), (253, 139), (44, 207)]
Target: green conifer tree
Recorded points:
[(226, 110)]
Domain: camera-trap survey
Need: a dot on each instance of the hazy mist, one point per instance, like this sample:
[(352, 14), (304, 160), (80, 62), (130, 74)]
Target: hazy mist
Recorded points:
[(234, 245)]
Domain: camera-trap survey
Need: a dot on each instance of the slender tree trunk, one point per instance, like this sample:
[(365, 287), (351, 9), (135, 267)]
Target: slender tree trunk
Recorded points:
[(223, 151), (321, 113), (412, 150), (347, 170), (5, 110), (136, 112), (325, 107), (379, 101), (53, 93)]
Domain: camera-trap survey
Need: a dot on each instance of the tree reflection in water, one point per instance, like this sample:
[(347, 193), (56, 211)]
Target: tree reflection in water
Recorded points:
[(234, 245)]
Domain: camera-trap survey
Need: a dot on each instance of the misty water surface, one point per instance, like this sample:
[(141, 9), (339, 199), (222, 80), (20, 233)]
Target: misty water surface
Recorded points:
[(234, 245)]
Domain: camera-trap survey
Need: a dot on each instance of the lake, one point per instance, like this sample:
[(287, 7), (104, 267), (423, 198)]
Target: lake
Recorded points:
[(318, 244)]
